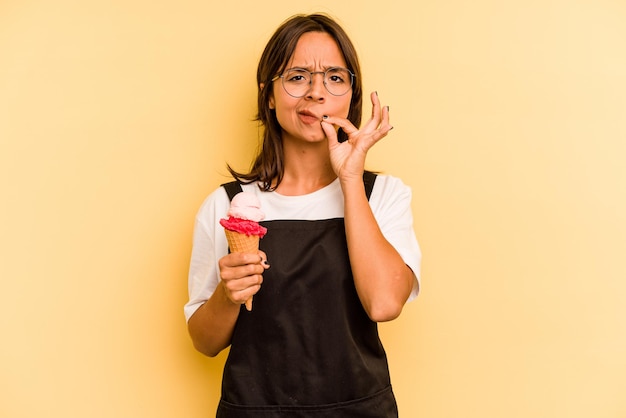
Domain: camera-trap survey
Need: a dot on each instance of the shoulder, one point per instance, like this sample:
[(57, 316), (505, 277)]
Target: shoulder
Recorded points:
[(215, 205), (389, 187)]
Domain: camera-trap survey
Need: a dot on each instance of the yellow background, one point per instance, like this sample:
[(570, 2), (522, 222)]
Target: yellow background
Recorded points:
[(117, 118)]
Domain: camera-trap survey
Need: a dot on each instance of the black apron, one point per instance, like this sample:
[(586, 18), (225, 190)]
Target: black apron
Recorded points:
[(307, 348)]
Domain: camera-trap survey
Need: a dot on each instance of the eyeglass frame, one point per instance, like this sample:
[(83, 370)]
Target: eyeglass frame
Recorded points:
[(312, 73)]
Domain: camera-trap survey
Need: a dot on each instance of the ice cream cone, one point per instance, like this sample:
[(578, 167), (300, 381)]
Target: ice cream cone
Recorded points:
[(242, 227), (242, 243)]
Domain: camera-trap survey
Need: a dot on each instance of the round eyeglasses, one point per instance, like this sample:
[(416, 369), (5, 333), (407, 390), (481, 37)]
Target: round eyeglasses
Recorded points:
[(297, 81)]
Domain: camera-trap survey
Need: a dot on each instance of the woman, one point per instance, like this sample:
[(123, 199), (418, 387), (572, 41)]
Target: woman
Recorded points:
[(339, 263)]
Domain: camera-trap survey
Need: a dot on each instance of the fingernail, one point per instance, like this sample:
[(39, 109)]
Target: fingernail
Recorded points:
[(376, 93), (325, 117), (387, 108), (265, 263), (391, 128)]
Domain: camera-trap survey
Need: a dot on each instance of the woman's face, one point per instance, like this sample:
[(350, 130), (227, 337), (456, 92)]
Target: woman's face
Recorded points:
[(300, 117)]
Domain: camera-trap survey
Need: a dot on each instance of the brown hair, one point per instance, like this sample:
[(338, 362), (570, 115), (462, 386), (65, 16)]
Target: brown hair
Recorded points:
[(269, 165)]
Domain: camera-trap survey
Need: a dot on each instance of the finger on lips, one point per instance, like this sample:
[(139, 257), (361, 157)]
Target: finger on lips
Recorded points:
[(378, 120)]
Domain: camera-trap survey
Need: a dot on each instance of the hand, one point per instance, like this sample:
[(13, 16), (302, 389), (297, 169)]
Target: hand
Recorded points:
[(348, 158), (241, 275)]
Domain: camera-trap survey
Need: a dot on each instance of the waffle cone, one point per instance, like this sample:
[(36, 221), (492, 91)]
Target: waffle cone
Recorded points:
[(242, 243)]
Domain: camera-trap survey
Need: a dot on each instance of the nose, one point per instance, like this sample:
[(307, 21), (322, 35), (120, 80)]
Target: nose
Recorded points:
[(317, 89)]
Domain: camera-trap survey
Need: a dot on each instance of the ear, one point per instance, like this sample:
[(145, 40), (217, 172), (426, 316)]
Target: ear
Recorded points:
[(271, 102)]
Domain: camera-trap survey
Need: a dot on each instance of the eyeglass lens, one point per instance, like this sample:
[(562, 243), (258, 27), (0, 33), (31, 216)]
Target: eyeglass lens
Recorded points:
[(296, 81)]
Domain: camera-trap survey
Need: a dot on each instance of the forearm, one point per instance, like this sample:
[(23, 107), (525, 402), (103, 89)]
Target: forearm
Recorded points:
[(211, 326), (382, 279)]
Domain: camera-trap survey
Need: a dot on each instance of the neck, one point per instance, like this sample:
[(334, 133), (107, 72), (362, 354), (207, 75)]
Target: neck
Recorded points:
[(307, 169)]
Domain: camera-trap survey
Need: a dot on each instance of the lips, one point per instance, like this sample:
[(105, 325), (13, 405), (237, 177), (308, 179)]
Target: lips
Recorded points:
[(308, 117)]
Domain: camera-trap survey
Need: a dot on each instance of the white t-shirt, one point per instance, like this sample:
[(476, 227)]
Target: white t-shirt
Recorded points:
[(390, 202)]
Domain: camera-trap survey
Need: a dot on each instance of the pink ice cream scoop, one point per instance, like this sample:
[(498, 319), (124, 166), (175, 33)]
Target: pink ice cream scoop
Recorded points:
[(244, 215)]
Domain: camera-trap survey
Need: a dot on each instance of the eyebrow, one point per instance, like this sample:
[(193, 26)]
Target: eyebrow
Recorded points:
[(309, 69)]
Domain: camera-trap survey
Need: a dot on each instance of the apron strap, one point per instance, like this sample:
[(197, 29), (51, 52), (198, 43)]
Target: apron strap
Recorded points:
[(234, 187), (368, 179)]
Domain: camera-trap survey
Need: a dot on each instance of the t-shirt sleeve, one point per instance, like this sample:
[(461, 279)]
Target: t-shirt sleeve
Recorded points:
[(391, 205), (209, 245)]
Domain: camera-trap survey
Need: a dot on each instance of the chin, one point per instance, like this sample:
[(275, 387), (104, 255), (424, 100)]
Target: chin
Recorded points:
[(308, 137)]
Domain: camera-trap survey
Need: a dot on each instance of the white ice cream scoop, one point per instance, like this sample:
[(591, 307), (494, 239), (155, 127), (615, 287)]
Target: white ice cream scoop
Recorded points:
[(246, 205)]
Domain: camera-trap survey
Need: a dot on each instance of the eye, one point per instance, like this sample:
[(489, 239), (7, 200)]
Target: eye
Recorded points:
[(335, 79), (337, 75), (297, 76)]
